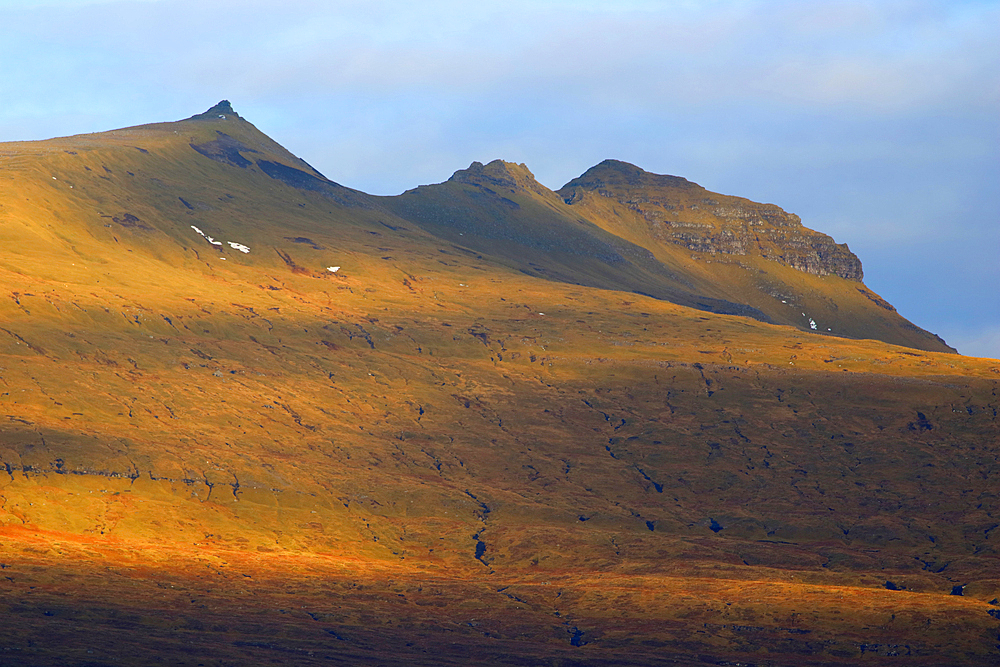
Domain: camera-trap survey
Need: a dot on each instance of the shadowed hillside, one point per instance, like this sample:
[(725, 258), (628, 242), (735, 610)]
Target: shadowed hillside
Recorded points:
[(500, 210), (251, 416)]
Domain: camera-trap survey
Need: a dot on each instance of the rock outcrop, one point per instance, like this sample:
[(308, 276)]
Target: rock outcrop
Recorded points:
[(683, 213), (500, 175)]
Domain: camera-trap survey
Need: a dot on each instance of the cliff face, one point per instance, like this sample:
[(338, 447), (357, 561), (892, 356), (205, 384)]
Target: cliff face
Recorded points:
[(685, 214), (740, 251)]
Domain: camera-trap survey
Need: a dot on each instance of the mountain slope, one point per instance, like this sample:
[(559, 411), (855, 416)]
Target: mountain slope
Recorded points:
[(501, 211), (747, 252), (432, 456), (618, 227)]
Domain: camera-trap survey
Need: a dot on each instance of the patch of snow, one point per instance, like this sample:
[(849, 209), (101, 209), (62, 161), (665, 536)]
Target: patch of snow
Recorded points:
[(812, 324), (333, 269), (222, 117), (239, 246)]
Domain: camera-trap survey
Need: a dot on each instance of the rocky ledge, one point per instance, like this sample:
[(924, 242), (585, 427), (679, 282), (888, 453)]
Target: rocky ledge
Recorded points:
[(683, 213)]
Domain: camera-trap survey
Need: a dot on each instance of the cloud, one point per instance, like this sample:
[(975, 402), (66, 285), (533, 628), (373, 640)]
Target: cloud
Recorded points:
[(641, 57)]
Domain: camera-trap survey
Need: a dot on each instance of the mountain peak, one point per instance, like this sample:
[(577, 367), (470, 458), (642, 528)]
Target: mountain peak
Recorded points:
[(611, 173), (221, 110), (498, 174), (711, 226)]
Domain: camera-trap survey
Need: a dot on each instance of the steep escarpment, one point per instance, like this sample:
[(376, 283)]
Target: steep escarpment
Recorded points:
[(688, 215), (741, 251)]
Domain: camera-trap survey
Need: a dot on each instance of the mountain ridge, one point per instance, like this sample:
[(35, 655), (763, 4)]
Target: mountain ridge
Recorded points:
[(680, 251), (770, 298), (648, 241)]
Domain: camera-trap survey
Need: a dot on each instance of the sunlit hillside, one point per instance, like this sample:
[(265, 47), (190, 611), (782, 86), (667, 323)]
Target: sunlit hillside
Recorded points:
[(252, 416)]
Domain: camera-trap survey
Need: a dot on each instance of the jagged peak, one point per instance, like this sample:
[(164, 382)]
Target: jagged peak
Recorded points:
[(498, 173), (221, 110)]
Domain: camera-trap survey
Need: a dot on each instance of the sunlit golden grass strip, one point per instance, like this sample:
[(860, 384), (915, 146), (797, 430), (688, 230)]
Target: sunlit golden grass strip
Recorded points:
[(151, 584)]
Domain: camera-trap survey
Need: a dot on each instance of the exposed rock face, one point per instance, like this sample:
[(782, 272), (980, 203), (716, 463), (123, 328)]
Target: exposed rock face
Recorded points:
[(686, 214)]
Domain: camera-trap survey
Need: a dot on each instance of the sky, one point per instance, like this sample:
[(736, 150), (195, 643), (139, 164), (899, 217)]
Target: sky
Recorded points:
[(878, 121)]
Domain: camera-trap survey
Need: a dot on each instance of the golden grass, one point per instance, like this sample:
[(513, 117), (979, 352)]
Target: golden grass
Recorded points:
[(429, 457)]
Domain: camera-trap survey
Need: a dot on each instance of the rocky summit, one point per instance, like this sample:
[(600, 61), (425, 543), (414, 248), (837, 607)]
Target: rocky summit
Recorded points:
[(250, 415), (685, 214)]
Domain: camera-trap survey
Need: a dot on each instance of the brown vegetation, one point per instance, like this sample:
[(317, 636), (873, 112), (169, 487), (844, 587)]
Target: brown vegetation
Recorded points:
[(439, 455)]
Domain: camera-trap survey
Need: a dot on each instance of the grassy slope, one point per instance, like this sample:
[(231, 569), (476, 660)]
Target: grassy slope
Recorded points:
[(432, 456)]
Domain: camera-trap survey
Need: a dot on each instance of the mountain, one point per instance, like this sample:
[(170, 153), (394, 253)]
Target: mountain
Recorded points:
[(253, 416), (756, 254), (619, 227)]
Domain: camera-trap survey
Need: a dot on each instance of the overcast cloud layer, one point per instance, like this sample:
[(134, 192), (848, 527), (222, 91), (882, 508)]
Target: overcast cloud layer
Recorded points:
[(878, 122)]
